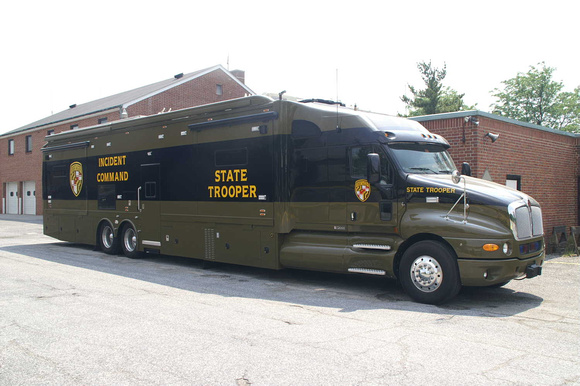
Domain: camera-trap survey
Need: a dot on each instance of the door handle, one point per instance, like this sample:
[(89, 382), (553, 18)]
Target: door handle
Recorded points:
[(139, 198), (353, 216)]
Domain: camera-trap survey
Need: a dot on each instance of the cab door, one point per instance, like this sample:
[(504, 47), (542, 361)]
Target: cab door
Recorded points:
[(372, 216)]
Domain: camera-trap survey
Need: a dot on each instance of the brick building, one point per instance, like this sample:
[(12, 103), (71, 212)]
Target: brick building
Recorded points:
[(536, 160), (539, 161), (20, 154)]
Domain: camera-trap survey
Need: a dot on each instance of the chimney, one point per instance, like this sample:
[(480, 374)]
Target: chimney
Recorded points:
[(239, 75)]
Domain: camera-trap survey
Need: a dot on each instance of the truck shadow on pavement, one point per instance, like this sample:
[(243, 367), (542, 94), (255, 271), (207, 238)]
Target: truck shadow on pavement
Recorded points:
[(347, 293)]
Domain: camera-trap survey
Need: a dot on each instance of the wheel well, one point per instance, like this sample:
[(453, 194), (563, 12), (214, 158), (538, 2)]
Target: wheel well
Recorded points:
[(415, 239), (123, 225)]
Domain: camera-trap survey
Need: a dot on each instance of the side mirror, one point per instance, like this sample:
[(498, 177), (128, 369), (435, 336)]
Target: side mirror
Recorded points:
[(455, 176), (373, 168), (465, 169)]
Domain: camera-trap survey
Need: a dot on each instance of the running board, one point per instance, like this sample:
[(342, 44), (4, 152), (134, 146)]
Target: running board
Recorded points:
[(372, 246), (151, 243), (368, 271)]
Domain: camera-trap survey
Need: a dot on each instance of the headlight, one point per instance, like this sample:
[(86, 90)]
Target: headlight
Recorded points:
[(507, 249)]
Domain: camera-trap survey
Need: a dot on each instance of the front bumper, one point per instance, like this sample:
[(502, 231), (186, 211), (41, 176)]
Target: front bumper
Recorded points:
[(476, 272)]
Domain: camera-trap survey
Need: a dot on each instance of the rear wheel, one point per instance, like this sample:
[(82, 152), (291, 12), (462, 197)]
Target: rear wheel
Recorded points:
[(129, 242), (108, 242), (429, 272)]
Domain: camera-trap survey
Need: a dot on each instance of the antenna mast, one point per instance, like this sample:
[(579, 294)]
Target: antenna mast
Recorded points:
[(337, 102)]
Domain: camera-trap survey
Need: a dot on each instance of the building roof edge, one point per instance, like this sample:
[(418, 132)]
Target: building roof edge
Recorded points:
[(468, 113), (120, 100)]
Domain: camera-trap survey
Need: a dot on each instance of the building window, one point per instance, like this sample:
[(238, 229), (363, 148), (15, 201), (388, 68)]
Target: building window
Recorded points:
[(513, 181), (102, 120), (50, 132), (28, 143), (219, 89), (10, 147), (74, 127)]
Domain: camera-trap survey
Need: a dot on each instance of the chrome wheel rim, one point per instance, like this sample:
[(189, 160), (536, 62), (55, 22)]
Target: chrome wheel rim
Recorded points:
[(107, 236), (426, 273), (130, 240)]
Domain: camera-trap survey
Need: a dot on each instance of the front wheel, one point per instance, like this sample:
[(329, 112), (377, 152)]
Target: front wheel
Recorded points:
[(129, 242), (429, 272)]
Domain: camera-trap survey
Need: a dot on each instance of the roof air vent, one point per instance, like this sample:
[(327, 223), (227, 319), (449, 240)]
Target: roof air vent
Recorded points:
[(178, 76), (73, 106)]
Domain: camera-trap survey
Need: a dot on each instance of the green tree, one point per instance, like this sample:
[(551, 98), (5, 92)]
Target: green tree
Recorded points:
[(567, 111), (434, 98), (536, 98)]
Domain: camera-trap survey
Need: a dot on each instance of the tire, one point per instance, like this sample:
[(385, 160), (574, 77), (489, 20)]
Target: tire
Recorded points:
[(130, 242), (108, 242), (429, 273)]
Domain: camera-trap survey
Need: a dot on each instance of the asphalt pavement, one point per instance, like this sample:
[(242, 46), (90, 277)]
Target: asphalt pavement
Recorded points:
[(70, 315)]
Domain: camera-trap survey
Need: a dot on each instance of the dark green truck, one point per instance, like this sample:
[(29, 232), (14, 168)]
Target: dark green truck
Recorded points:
[(280, 184)]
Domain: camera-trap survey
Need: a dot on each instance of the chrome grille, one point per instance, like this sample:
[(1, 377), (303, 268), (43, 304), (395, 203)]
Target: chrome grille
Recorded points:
[(526, 221), (523, 224), (537, 223)]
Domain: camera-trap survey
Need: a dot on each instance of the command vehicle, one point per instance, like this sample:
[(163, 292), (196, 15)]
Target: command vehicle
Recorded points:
[(281, 184)]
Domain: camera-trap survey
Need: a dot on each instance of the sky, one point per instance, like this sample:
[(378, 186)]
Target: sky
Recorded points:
[(58, 53)]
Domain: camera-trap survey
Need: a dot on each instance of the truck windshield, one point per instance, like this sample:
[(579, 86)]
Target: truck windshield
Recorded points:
[(423, 158)]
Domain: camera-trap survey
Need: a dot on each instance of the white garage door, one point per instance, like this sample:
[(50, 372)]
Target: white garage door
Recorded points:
[(12, 198), (29, 197)]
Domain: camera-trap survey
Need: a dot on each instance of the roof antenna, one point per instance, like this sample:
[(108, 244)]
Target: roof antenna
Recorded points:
[(338, 129), (280, 94)]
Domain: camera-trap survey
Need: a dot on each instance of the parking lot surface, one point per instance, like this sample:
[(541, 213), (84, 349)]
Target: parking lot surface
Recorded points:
[(70, 315)]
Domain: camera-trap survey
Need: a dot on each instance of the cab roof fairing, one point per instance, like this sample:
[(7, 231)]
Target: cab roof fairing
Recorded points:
[(326, 116), (398, 129), (340, 114)]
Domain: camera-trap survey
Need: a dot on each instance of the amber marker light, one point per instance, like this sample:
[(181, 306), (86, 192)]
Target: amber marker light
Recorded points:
[(490, 247)]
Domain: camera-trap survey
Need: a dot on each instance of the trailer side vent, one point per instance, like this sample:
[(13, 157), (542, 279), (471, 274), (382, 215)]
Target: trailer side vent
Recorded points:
[(210, 244)]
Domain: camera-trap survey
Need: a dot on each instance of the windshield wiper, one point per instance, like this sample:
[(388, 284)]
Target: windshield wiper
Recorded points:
[(425, 170)]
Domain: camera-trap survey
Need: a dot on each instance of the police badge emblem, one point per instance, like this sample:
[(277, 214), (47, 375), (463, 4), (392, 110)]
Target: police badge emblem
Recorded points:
[(362, 189), (76, 178)]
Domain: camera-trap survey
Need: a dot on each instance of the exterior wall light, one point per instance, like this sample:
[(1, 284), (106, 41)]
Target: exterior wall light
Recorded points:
[(493, 136)]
